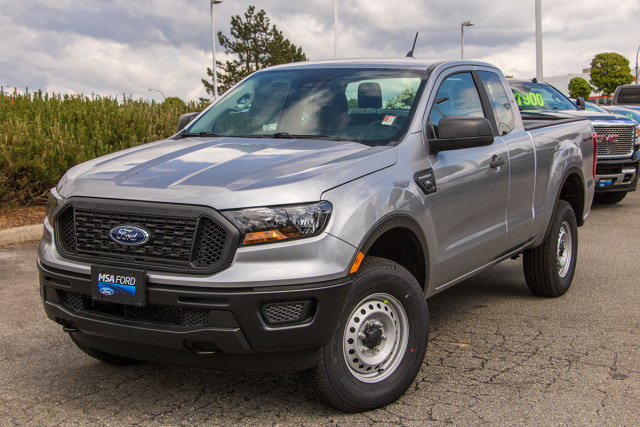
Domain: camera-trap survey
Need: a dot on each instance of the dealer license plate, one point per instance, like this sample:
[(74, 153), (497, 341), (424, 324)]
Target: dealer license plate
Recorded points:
[(606, 182), (118, 285)]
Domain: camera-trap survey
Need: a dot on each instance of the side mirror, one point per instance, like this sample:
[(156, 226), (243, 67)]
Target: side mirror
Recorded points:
[(581, 103), (458, 132), (185, 119)]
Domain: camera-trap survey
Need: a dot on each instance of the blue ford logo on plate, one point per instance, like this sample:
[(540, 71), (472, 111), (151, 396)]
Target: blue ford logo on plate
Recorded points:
[(129, 235), (106, 291)]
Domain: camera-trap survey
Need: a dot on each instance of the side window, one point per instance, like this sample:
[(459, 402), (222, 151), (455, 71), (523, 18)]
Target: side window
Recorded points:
[(502, 110), (457, 96)]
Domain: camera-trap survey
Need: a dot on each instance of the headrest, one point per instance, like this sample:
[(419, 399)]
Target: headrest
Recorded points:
[(369, 95)]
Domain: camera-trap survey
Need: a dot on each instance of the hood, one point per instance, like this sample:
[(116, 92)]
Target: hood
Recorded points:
[(596, 115), (226, 172)]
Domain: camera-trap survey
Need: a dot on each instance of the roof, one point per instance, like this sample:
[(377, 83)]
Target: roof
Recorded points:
[(399, 63)]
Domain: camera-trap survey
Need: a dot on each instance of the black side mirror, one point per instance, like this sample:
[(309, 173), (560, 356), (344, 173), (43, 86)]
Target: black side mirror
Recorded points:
[(581, 103), (185, 119), (458, 132)]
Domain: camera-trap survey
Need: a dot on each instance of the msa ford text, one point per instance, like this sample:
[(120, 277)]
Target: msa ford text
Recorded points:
[(301, 221)]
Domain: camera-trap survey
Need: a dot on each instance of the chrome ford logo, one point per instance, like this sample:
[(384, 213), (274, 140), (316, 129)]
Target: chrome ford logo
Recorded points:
[(129, 235)]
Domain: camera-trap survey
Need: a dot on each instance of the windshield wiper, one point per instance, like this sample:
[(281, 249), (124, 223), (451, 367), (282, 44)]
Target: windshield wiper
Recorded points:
[(287, 135), (327, 137), (198, 134)]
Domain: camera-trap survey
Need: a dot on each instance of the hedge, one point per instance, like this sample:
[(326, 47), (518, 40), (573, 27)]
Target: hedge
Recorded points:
[(42, 135)]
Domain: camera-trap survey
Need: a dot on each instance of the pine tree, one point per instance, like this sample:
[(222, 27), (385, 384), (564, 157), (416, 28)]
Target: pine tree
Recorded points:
[(256, 44)]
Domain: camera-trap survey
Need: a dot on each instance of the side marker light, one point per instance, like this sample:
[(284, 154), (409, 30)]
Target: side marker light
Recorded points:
[(356, 264)]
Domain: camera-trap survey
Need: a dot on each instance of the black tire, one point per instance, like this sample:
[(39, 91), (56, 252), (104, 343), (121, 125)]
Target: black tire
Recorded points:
[(109, 358), (549, 268), (384, 302), (610, 198)]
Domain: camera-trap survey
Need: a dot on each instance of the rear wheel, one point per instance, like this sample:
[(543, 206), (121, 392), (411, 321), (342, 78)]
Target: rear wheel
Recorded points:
[(109, 358), (549, 268), (379, 345), (610, 198)]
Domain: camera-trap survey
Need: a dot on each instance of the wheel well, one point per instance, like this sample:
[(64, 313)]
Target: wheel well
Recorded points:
[(401, 245), (573, 192)]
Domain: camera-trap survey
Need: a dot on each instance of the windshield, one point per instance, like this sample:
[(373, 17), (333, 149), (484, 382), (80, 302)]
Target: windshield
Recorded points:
[(372, 106), (590, 106), (539, 97), (632, 114), (629, 95)]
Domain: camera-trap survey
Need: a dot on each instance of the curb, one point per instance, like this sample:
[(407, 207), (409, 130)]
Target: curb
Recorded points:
[(16, 235)]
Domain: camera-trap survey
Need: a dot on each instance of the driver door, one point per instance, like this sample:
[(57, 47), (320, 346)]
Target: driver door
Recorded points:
[(472, 187)]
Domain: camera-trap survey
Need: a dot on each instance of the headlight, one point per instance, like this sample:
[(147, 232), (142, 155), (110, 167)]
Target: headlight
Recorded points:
[(270, 224), (53, 201)]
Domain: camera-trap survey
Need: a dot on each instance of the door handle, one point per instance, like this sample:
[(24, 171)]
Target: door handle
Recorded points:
[(496, 161)]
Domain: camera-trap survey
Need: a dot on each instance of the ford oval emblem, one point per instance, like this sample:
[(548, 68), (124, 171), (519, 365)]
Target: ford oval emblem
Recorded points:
[(129, 235), (106, 291)]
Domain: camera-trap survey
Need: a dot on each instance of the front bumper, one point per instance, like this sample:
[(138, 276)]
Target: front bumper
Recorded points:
[(616, 175), (217, 328)]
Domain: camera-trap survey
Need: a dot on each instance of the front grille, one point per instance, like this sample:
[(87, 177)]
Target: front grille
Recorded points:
[(194, 242), (171, 242), (152, 314), (615, 141)]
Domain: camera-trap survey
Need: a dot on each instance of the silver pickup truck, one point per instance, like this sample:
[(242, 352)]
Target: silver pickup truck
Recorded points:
[(301, 221)]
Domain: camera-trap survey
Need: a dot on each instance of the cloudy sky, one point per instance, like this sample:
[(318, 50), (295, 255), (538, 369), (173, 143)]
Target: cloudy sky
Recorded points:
[(128, 46)]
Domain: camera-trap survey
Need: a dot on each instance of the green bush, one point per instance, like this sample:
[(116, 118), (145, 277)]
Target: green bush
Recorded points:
[(42, 135)]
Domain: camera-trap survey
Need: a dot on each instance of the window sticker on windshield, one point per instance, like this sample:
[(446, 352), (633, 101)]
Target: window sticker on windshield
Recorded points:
[(270, 126), (388, 120), (534, 99)]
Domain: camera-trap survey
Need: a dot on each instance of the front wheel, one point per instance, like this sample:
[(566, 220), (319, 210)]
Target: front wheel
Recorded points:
[(549, 268), (379, 345)]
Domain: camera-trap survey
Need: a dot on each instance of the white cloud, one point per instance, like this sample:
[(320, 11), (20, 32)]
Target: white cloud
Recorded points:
[(121, 46)]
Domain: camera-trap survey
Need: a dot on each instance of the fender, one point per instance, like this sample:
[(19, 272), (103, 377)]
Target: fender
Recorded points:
[(579, 201), (390, 222)]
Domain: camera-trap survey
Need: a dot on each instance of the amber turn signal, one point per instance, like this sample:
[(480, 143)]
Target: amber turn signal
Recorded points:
[(270, 236)]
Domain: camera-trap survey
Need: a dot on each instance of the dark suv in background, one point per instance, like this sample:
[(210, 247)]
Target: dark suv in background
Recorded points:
[(617, 164)]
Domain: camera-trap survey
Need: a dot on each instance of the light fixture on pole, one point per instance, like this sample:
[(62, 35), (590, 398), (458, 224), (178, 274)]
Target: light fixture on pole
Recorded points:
[(213, 50), (464, 24), (160, 92)]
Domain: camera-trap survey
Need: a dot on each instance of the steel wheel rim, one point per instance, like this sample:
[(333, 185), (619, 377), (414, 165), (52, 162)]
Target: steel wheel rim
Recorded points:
[(564, 250), (378, 318)]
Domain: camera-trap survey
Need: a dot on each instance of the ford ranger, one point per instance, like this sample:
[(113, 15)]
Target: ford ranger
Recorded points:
[(301, 221)]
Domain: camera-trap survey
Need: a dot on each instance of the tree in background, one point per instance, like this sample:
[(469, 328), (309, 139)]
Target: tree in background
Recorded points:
[(403, 100), (608, 71), (579, 87), (256, 45)]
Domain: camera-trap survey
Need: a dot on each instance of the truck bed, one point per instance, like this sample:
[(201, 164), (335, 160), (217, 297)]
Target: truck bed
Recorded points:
[(537, 120)]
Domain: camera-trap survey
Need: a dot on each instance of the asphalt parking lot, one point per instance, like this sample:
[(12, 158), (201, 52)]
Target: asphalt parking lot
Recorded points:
[(496, 355)]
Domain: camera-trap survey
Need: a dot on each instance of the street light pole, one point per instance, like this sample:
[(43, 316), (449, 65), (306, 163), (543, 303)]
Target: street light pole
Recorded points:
[(160, 92), (539, 41), (213, 50), (638, 51), (464, 24), (335, 29)]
